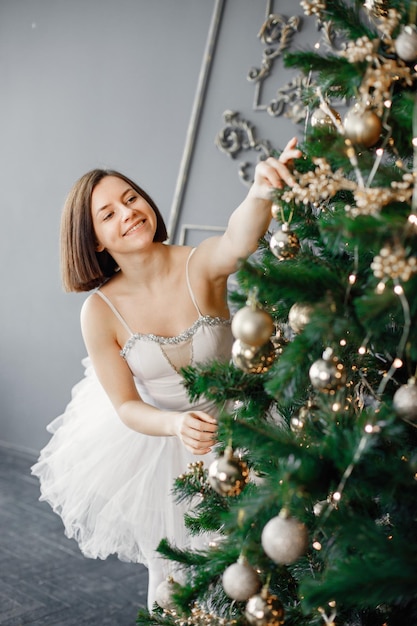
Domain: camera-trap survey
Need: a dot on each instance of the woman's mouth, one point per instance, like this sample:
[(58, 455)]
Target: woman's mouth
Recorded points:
[(135, 227)]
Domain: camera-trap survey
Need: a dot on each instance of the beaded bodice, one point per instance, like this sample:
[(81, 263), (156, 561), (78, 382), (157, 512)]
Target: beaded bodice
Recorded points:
[(156, 361)]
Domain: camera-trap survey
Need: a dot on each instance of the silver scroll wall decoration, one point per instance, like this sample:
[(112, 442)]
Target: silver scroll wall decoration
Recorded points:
[(238, 134)]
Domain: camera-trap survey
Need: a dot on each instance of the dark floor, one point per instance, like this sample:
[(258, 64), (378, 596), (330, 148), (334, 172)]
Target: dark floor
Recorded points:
[(44, 579)]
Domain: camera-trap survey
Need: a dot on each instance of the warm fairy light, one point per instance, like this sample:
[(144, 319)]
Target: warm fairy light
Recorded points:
[(317, 45), (317, 545), (362, 350), (398, 290), (343, 342), (388, 104), (397, 363), (412, 219), (414, 141), (380, 288), (352, 279), (336, 406), (369, 428), (337, 496), (379, 151)]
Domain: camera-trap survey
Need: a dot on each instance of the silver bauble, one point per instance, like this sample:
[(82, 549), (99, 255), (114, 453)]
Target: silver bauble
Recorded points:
[(264, 610), (362, 126), (406, 44), (163, 594), (252, 325), (228, 475), (404, 401), (284, 539), (240, 581), (253, 360), (321, 119), (327, 374), (284, 243), (299, 316)]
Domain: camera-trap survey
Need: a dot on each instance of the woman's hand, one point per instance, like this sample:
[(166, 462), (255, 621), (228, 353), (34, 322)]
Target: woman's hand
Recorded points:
[(197, 431), (274, 173)]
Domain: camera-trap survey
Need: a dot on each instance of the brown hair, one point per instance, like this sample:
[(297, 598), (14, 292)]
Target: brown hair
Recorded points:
[(82, 267)]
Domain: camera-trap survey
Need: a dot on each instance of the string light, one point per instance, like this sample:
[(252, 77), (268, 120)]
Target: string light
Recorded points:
[(352, 279), (380, 288)]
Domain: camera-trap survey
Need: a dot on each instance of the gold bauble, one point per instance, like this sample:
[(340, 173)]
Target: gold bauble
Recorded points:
[(264, 609), (252, 325), (299, 316), (362, 126), (251, 359)]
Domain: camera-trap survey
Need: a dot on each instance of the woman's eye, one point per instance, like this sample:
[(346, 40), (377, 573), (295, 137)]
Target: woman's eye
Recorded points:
[(131, 199), (107, 216)]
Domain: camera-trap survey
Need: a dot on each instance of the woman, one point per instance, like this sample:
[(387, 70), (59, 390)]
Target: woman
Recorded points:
[(130, 428)]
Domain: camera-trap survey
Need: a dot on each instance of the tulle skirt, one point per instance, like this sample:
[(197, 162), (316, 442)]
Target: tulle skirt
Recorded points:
[(112, 486)]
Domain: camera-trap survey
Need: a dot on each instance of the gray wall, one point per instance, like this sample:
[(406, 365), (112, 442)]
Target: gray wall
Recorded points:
[(91, 83)]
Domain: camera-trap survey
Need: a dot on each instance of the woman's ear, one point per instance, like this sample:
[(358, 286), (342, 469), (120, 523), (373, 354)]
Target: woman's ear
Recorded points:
[(99, 247)]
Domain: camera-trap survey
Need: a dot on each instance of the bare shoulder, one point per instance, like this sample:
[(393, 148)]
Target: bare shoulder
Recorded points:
[(96, 317)]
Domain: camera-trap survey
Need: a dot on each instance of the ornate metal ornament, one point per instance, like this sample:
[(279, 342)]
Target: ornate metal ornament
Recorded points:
[(238, 135)]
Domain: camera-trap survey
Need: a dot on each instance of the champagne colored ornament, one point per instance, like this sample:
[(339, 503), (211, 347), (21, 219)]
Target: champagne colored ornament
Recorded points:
[(405, 401), (299, 316), (284, 243), (321, 119), (302, 416), (264, 609), (406, 44), (253, 360), (240, 581), (327, 374), (252, 325), (284, 539), (362, 126), (228, 475), (164, 593)]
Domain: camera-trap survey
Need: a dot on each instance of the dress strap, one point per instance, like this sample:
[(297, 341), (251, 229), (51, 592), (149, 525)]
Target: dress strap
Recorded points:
[(189, 284), (115, 311)]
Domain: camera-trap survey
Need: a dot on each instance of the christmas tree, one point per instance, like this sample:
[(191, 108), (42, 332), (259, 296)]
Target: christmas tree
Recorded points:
[(313, 498)]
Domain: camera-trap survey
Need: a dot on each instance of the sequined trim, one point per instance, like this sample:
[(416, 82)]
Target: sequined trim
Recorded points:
[(204, 320)]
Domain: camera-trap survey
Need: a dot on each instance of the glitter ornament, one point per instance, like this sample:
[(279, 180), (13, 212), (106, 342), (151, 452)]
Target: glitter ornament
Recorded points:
[(392, 262), (251, 359), (164, 593), (284, 539), (240, 581), (264, 609), (328, 373), (252, 325), (284, 244), (321, 119), (299, 316), (406, 44), (228, 475), (405, 401), (362, 126)]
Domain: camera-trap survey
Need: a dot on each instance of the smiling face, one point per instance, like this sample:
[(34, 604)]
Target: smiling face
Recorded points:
[(123, 220)]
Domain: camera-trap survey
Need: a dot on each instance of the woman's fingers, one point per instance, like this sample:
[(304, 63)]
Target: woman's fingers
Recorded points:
[(198, 432)]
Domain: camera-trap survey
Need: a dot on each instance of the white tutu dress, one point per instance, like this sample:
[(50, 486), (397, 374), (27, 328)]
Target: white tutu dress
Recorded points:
[(112, 486)]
